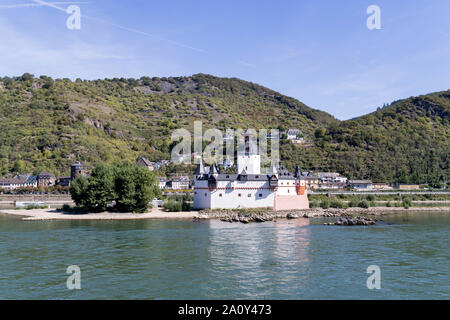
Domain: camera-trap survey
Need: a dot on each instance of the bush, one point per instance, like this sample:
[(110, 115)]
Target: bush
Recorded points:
[(178, 203), (354, 202), (173, 205), (336, 204), (371, 197), (313, 204), (65, 207), (325, 204), (406, 203), (363, 204), (388, 204)]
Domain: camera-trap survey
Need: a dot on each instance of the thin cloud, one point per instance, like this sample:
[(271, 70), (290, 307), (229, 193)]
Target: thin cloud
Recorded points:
[(179, 44)]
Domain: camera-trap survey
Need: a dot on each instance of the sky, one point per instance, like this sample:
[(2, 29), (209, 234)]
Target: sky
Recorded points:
[(320, 52)]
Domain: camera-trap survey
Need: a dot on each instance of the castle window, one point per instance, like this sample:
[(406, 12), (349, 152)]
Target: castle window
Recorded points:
[(239, 195), (195, 192), (257, 177), (220, 194), (249, 195), (205, 194), (289, 191), (260, 195)]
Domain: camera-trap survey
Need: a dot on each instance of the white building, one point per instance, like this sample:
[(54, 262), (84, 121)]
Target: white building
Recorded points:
[(249, 188), (162, 182), (360, 185)]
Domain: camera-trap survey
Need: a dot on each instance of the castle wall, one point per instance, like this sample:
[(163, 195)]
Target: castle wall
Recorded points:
[(283, 202), (233, 195)]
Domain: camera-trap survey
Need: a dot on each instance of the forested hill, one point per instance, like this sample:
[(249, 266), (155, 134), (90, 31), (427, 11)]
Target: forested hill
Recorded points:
[(407, 141), (47, 124)]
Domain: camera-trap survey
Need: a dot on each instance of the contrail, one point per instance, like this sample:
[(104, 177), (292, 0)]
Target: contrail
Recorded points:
[(26, 5), (179, 44)]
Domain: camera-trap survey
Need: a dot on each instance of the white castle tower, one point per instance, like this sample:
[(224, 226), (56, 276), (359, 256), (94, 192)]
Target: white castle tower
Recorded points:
[(249, 160)]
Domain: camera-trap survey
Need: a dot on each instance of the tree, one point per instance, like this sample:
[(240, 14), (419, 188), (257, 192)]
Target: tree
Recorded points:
[(135, 187), (101, 188), (132, 187), (19, 166), (78, 190)]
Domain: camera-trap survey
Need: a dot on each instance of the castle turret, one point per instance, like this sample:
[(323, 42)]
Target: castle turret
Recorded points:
[(249, 160), (77, 169)]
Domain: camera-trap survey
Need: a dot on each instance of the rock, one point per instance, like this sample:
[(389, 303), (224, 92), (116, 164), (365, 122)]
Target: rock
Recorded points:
[(291, 215)]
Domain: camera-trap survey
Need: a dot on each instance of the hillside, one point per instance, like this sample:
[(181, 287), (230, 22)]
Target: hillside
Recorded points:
[(407, 141), (47, 124)]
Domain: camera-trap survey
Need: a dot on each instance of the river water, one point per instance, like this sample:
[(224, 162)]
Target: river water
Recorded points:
[(176, 259)]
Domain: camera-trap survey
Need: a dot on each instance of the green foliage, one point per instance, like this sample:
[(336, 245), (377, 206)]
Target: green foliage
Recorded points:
[(47, 123), (325, 204), (179, 203), (131, 187), (364, 204), (335, 203), (173, 205), (407, 202), (135, 186)]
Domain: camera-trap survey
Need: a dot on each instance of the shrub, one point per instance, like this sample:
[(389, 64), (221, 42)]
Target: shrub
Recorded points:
[(363, 204), (336, 204), (325, 204), (354, 202), (407, 202), (313, 204), (388, 204), (65, 207), (173, 205), (371, 197)]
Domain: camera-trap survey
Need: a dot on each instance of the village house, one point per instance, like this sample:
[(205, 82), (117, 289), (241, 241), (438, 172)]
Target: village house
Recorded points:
[(273, 136), (403, 186), (45, 180), (333, 185), (292, 134), (162, 182), (381, 186), (179, 183), (141, 161), (19, 181), (331, 177), (63, 181), (360, 185), (312, 182)]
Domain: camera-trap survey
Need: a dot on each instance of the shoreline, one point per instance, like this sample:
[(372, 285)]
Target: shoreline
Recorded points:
[(224, 215), (53, 214)]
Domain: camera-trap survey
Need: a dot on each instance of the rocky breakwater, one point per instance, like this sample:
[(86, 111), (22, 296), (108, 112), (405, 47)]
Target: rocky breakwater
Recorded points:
[(353, 221), (263, 215)]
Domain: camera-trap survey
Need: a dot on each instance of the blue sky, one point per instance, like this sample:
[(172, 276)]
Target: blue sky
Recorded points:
[(320, 52)]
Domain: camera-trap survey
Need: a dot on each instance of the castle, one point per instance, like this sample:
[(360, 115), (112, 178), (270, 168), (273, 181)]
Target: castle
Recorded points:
[(249, 188)]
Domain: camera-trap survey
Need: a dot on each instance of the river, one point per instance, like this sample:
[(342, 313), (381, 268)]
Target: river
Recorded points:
[(176, 259)]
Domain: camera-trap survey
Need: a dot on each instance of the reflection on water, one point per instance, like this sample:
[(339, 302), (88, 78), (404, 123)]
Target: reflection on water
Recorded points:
[(264, 258), (175, 259)]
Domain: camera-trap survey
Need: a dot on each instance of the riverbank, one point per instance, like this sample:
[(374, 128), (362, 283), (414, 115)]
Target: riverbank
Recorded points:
[(52, 214), (244, 216)]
